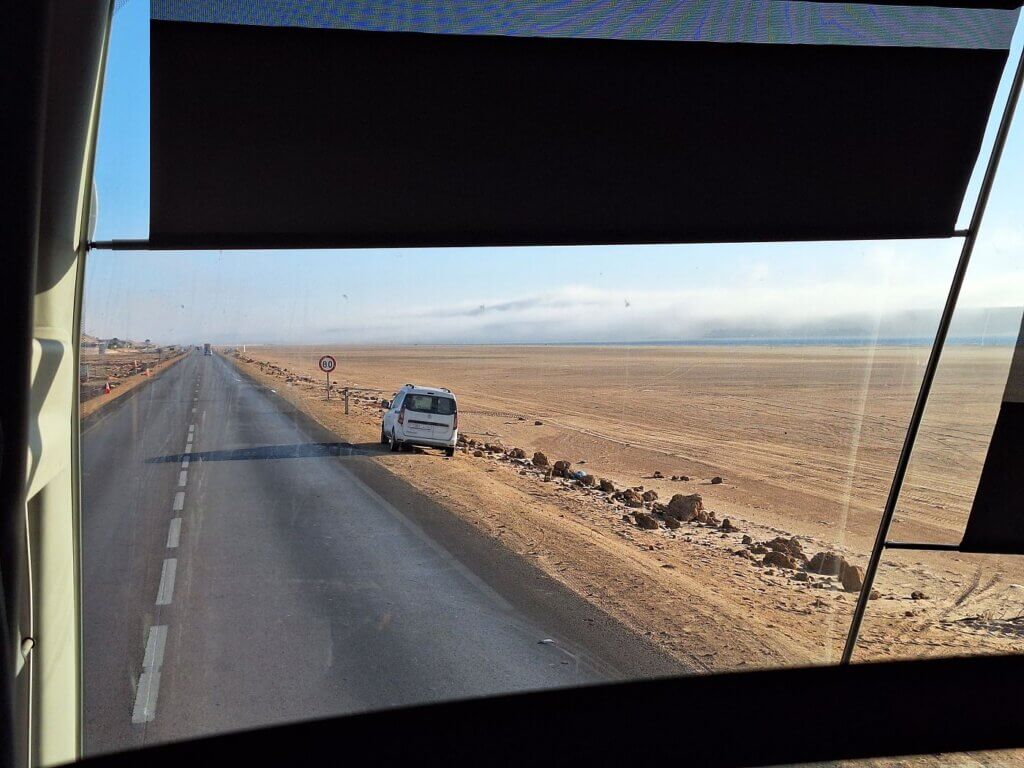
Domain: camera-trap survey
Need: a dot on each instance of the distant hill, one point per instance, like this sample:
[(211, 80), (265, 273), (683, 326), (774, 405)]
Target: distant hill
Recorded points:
[(89, 340)]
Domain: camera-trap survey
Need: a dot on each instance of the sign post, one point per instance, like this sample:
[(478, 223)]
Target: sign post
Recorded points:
[(328, 364)]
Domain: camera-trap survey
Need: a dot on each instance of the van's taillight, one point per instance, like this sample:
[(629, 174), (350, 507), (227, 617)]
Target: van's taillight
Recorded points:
[(401, 415), (455, 421)]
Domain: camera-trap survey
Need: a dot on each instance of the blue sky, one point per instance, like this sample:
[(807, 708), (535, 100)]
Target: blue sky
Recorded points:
[(507, 295)]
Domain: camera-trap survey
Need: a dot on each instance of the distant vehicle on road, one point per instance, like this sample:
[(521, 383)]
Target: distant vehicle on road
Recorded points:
[(425, 416), (206, 349)]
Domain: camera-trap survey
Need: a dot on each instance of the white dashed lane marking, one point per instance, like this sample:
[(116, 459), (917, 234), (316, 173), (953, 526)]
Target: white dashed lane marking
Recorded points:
[(174, 533), (165, 593), (149, 680)]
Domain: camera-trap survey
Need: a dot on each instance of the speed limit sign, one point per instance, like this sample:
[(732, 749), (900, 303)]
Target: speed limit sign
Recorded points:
[(328, 364)]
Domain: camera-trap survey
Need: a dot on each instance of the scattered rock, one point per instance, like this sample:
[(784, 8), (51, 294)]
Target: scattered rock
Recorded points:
[(645, 521), (727, 526), (874, 595), (625, 519), (517, 453), (852, 577), (918, 596), (780, 560), (685, 508), (747, 540), (649, 495), (716, 480), (588, 480), (789, 547), (801, 576), (657, 474), (759, 549), (607, 486), (538, 423), (630, 498), (561, 468), (744, 553), (478, 453), (672, 523), (540, 460)]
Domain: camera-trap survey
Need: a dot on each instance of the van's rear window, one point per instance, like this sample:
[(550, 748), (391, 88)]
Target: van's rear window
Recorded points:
[(430, 404)]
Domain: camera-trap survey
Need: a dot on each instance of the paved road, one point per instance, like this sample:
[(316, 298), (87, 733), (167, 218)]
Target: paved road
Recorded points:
[(240, 569)]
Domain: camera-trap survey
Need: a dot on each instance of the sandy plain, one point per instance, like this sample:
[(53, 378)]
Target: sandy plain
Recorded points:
[(804, 437)]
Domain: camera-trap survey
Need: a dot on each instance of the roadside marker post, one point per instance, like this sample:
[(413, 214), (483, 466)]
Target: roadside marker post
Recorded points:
[(328, 364)]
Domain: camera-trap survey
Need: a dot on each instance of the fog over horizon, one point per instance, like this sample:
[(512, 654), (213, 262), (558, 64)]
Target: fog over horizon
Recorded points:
[(583, 316), (586, 294)]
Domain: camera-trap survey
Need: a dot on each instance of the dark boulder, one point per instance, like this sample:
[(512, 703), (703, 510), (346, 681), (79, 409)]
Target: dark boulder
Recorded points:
[(852, 577), (780, 560), (827, 564), (685, 508), (646, 521)]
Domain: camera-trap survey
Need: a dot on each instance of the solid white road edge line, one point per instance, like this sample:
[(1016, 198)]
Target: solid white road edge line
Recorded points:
[(174, 533), (165, 594)]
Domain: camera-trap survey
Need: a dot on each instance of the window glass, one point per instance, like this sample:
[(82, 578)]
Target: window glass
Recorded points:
[(430, 404), (671, 460)]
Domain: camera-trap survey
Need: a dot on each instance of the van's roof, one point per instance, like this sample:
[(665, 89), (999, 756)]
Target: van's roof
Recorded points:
[(415, 388)]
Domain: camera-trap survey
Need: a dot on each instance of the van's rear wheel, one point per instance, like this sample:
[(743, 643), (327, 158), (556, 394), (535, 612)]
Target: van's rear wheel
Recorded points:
[(449, 451), (383, 436), (395, 445)]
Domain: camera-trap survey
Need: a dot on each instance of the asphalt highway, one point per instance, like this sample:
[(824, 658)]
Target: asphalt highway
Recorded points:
[(242, 568)]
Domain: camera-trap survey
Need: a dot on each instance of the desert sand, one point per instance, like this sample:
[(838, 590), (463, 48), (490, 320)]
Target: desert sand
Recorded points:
[(122, 370), (804, 439)]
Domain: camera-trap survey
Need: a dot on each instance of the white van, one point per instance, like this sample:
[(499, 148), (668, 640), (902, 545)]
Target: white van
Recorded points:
[(425, 416)]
